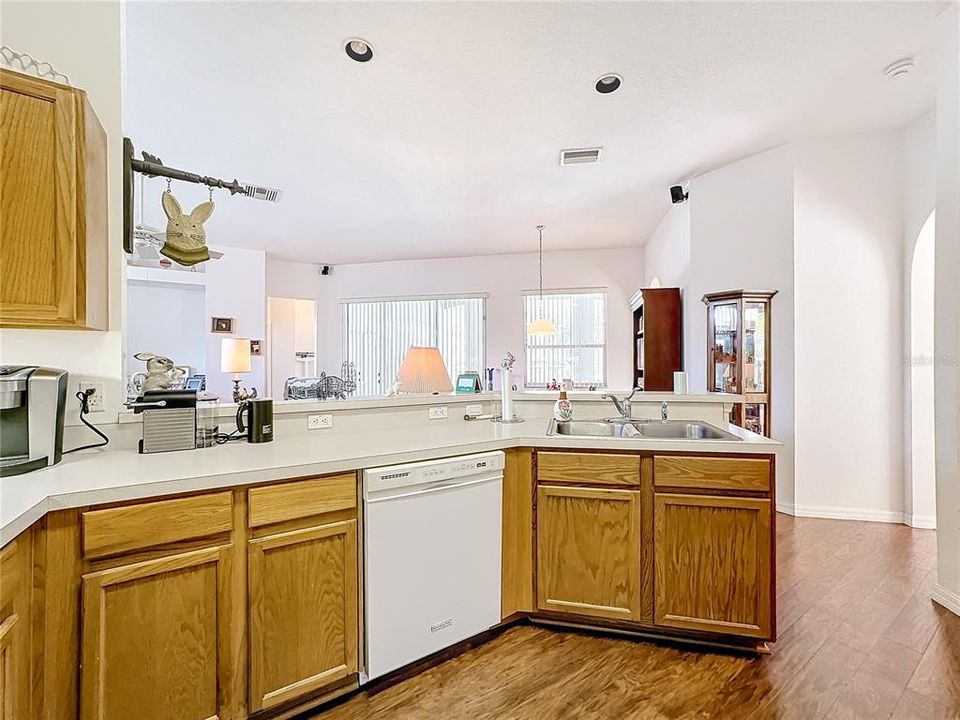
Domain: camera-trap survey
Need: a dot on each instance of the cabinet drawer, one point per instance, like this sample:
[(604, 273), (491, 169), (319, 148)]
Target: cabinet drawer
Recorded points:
[(137, 527), (589, 468), (712, 473), (302, 498)]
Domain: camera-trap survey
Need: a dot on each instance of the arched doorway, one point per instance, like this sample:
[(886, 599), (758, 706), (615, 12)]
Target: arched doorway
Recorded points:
[(922, 466)]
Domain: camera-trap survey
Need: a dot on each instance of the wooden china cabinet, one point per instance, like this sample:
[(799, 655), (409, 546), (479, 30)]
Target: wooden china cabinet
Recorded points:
[(738, 353)]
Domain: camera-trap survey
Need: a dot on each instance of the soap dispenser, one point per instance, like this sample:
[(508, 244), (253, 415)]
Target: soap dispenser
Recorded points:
[(562, 410)]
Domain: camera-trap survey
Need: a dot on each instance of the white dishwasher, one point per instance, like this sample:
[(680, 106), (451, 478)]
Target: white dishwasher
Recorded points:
[(431, 556)]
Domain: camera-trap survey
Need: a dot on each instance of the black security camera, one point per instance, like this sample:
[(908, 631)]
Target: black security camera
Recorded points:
[(677, 195), (326, 269)]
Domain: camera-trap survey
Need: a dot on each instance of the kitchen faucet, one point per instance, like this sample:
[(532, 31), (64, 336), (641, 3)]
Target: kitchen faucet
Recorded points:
[(623, 406)]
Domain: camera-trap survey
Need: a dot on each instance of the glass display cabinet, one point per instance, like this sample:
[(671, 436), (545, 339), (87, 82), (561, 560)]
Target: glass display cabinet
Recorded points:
[(738, 353)]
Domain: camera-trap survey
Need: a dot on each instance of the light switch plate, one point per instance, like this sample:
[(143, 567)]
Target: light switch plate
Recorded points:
[(319, 422), (438, 412), (473, 409)]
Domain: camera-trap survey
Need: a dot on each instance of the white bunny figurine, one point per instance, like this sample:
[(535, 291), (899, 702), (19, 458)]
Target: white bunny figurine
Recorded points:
[(161, 373), (186, 241)]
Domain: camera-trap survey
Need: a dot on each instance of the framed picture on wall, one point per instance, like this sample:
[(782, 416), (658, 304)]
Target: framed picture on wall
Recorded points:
[(221, 325), (256, 347)]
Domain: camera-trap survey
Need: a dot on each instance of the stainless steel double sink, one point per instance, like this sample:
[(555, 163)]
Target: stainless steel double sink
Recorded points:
[(640, 429)]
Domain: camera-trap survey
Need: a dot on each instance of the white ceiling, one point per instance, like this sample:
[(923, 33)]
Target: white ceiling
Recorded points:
[(447, 143)]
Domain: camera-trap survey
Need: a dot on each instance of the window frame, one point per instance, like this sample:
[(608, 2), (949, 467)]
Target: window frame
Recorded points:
[(605, 291), (436, 298)]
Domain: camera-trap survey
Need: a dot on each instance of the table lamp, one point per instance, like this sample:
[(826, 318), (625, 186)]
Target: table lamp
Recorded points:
[(423, 371), (235, 358)]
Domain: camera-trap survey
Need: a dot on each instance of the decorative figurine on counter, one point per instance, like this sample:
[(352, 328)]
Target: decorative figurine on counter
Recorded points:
[(161, 373), (562, 409)]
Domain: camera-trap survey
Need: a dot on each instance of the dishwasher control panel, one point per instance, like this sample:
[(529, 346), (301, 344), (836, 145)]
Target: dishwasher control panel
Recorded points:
[(428, 471)]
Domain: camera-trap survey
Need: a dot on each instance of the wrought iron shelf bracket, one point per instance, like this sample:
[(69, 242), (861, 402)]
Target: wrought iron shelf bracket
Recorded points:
[(152, 166)]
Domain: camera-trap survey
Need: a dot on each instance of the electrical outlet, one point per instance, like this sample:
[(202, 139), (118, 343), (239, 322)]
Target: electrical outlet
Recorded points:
[(319, 422), (473, 409), (438, 412), (95, 401)]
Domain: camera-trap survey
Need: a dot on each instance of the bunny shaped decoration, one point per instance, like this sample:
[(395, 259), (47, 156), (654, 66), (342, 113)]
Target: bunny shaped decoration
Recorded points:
[(161, 372), (186, 241)]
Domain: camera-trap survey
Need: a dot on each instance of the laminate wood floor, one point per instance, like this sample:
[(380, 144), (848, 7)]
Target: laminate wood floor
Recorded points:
[(859, 638)]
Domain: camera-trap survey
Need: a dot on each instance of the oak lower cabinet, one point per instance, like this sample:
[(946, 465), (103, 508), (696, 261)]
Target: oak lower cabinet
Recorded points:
[(157, 638), (15, 629), (588, 551), (713, 563), (303, 629)]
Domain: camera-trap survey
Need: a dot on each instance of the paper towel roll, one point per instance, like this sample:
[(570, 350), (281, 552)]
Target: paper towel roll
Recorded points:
[(506, 393), (680, 383)]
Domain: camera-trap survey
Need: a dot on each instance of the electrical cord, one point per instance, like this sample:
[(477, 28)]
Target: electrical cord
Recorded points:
[(84, 397)]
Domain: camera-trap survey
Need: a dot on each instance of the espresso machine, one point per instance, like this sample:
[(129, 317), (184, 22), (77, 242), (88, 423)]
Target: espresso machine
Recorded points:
[(32, 404)]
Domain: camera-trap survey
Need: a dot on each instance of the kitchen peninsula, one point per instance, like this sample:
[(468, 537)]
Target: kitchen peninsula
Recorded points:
[(249, 547)]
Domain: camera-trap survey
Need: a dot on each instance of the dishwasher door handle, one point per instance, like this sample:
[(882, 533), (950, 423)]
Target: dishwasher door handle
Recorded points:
[(434, 489)]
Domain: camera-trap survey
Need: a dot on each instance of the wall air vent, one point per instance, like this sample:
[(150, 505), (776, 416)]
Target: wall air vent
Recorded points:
[(580, 156), (258, 192)]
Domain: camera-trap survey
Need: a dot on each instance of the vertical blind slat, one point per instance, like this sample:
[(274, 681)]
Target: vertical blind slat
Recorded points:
[(377, 335)]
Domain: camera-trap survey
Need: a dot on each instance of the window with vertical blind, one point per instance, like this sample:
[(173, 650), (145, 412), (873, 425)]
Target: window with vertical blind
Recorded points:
[(377, 333), (578, 350)]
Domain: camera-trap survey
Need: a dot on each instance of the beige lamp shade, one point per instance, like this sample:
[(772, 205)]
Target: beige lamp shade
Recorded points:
[(540, 326), (423, 371), (235, 355)]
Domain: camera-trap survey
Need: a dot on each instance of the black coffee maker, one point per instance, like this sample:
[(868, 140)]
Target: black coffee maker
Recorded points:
[(259, 419)]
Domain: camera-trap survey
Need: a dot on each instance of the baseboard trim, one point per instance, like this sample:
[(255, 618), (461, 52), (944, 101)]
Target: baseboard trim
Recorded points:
[(947, 598), (832, 512), (924, 522)]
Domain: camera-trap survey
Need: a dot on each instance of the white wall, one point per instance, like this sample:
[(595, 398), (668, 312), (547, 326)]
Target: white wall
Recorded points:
[(666, 256), (920, 192), (84, 41), (236, 289), (302, 281), (848, 332), (946, 316), (741, 236), (504, 278), (920, 479), (166, 319)]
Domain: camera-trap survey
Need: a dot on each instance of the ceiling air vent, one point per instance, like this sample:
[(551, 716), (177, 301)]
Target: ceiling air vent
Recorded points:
[(258, 192), (580, 156)]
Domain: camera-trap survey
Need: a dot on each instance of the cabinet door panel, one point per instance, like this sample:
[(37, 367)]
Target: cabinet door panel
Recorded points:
[(588, 551), (10, 677), (156, 638), (712, 564), (38, 155), (303, 611)]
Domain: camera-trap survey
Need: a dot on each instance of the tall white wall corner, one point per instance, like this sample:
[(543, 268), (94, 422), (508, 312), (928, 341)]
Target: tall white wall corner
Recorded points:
[(947, 299)]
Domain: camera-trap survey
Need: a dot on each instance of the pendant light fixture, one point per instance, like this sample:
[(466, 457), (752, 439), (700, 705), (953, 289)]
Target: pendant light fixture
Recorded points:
[(541, 326)]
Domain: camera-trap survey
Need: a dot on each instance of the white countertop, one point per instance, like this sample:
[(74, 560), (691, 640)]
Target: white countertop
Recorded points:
[(116, 474)]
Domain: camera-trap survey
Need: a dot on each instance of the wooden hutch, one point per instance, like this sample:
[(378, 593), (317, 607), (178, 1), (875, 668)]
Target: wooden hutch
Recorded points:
[(657, 334)]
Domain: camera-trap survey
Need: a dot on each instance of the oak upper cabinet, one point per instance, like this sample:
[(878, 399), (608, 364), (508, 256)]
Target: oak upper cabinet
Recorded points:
[(160, 628), (53, 201), (588, 551), (304, 622), (713, 563)]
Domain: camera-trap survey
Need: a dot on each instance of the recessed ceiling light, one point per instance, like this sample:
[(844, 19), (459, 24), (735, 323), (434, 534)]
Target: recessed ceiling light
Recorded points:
[(898, 68), (358, 50), (608, 83)]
